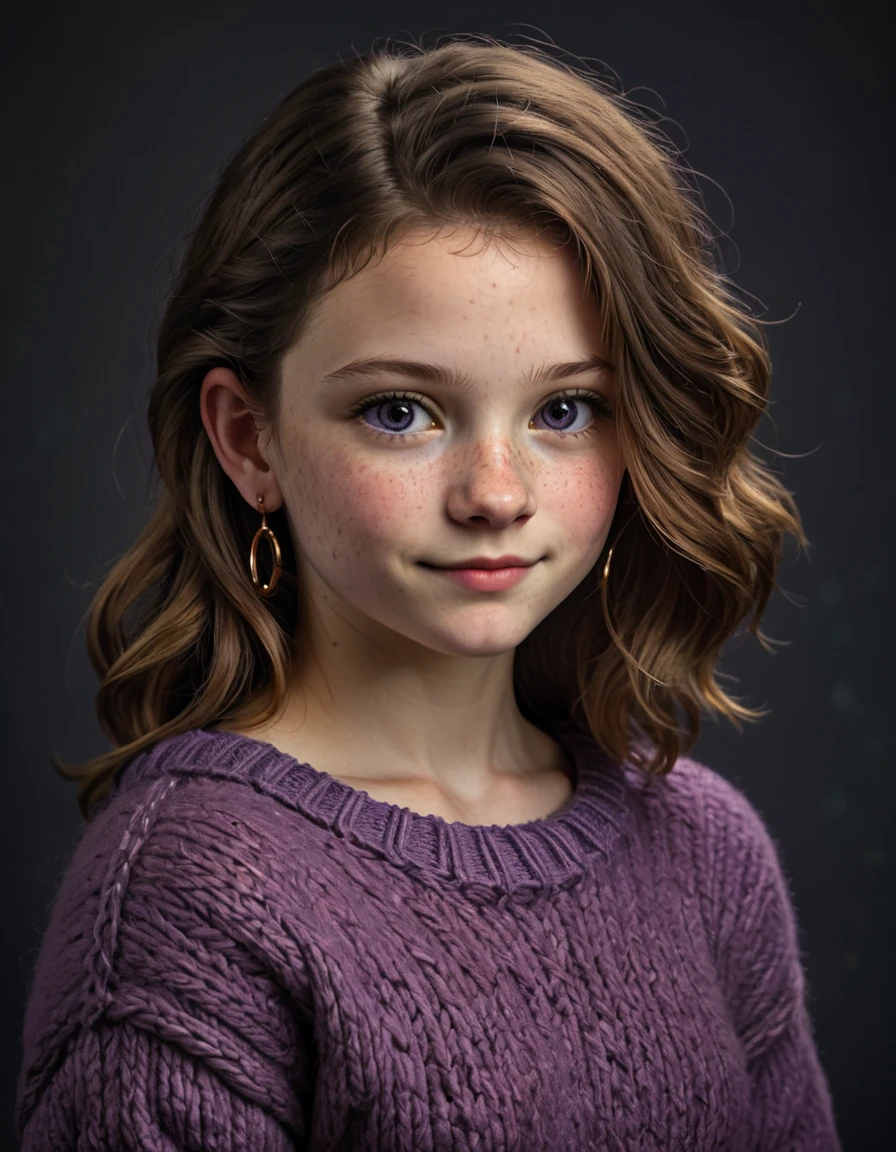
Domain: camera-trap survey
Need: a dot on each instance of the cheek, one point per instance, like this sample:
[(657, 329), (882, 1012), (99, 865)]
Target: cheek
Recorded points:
[(381, 503), (581, 496), (349, 502)]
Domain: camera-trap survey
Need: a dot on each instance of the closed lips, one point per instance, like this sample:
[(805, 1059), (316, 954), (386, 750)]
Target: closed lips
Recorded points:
[(486, 562)]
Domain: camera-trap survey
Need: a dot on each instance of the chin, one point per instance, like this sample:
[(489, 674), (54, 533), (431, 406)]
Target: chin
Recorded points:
[(477, 642)]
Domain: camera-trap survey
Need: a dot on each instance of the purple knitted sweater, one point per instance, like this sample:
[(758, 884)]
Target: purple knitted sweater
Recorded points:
[(248, 954)]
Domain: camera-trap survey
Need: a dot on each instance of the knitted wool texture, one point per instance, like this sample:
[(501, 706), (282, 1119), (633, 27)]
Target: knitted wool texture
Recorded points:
[(246, 953)]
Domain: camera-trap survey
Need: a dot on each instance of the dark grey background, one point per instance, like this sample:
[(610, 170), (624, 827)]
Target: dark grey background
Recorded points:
[(119, 118)]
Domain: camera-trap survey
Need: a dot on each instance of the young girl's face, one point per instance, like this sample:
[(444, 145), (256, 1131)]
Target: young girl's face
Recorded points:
[(482, 460)]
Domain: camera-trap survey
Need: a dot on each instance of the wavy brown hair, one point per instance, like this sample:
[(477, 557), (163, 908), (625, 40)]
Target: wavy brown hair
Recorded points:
[(507, 138)]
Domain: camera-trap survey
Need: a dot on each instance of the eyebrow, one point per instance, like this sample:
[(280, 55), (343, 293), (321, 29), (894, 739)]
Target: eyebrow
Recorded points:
[(438, 373)]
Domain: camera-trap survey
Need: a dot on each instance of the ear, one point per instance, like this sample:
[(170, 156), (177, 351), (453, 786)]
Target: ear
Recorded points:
[(234, 436)]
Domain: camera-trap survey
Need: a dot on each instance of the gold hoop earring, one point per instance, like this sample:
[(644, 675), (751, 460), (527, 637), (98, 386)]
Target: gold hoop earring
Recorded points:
[(606, 574), (264, 530)]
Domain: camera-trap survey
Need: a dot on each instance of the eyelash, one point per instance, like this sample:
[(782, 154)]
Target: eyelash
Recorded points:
[(598, 402)]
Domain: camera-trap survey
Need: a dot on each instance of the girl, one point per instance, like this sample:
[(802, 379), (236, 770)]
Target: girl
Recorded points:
[(399, 846)]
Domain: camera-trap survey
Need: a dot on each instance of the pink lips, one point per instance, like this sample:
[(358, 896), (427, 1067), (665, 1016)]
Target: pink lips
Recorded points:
[(490, 562), (487, 579)]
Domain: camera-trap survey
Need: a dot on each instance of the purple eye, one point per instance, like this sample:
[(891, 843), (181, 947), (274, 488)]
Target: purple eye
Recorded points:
[(394, 415), (561, 410)]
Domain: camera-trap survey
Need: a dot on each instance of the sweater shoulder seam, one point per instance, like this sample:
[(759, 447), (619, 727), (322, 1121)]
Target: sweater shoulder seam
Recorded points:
[(100, 962)]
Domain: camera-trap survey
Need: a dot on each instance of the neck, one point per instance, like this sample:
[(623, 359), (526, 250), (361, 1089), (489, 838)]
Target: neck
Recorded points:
[(410, 715)]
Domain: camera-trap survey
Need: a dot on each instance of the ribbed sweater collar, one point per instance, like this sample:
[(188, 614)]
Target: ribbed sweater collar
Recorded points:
[(554, 851)]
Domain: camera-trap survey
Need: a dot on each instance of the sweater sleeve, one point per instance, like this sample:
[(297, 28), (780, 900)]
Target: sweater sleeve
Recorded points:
[(762, 974), (121, 1088), (162, 1017)]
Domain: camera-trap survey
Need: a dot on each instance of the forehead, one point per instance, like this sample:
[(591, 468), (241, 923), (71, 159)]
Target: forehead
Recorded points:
[(457, 294), (463, 260)]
